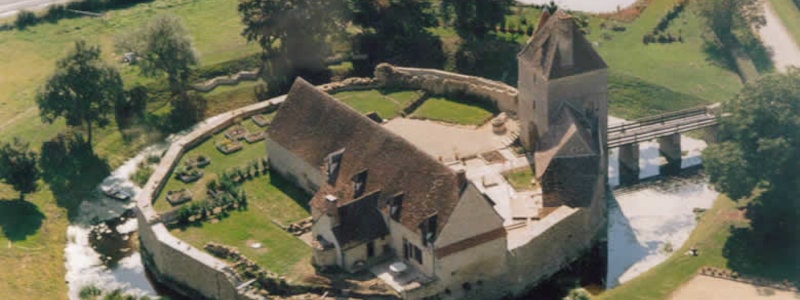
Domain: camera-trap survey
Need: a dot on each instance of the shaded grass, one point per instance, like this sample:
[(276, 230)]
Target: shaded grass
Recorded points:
[(32, 246), (280, 251), (387, 103), (709, 237), (449, 111), (520, 179), (789, 14), (631, 97), (226, 98)]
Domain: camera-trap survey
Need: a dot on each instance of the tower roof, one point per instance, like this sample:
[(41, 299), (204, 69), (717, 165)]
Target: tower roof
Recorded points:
[(559, 49), (567, 138)]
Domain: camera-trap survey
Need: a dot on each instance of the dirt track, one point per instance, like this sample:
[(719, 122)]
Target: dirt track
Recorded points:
[(710, 288), (774, 35)]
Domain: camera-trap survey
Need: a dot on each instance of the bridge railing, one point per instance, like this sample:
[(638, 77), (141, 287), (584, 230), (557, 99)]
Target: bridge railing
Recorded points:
[(661, 118), (621, 138)]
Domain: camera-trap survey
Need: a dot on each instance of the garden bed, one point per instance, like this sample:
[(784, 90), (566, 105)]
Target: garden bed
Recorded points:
[(179, 196), (236, 133), (260, 120), (228, 146), (255, 137), (198, 161)]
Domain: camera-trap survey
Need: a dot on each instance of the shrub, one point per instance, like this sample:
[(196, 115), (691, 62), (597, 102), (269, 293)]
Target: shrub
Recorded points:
[(24, 19), (142, 174), (153, 159)]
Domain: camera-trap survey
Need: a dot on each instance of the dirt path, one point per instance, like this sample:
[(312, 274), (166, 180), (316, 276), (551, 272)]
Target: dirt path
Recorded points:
[(710, 288), (774, 35)]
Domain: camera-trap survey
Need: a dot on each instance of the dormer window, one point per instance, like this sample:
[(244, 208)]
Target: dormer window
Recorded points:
[(359, 183), (332, 161), (428, 230), (395, 206)]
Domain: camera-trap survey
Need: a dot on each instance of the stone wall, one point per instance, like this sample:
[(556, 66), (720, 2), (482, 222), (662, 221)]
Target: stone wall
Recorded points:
[(211, 84), (173, 262), (438, 82)]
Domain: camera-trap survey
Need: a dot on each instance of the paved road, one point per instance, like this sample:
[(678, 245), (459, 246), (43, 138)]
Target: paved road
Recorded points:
[(785, 50), (12, 7)]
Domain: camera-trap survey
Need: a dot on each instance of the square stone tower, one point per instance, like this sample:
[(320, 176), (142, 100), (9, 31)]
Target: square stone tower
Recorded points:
[(563, 112), (558, 69)]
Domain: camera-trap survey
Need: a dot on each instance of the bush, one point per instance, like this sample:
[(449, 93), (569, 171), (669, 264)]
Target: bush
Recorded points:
[(24, 19), (142, 174)]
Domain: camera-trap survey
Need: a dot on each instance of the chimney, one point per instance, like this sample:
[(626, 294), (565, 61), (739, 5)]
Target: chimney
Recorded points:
[(332, 209), (461, 178)]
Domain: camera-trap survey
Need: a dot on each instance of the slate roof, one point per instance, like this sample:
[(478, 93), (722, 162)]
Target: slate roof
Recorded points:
[(541, 51), (311, 124), (567, 137), (361, 221)]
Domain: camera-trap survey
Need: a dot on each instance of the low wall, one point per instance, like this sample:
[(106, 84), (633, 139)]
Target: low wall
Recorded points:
[(234, 79), (438, 82), (175, 263)]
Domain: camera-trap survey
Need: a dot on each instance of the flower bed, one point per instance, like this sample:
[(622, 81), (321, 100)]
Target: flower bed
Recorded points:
[(228, 146), (236, 133), (255, 137), (179, 196), (189, 174), (260, 120), (198, 161)]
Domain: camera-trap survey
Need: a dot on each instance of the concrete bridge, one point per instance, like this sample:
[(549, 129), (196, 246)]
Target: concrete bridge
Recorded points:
[(666, 129)]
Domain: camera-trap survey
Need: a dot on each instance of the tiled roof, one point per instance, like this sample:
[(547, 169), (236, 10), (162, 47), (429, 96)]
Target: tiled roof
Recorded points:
[(311, 124), (541, 51), (360, 221)]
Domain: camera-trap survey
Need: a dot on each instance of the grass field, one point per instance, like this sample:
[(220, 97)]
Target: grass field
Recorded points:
[(520, 179), (387, 103), (631, 97), (441, 109), (790, 16), (219, 163), (266, 200), (709, 237)]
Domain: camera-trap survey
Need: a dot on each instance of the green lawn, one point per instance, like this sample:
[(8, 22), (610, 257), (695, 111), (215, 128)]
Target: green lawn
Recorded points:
[(219, 163), (387, 103), (32, 238), (449, 111), (214, 26), (226, 98), (281, 252), (709, 237), (520, 179), (683, 67), (790, 16), (631, 97)]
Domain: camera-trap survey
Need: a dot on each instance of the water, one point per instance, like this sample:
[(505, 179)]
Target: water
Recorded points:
[(649, 219)]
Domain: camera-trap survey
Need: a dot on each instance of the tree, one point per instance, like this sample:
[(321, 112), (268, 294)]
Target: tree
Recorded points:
[(83, 89), (474, 18), (18, 167), (760, 151), (395, 31), (293, 34), (164, 48), (723, 16)]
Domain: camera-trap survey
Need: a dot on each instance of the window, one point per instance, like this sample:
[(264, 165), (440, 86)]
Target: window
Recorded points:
[(359, 183), (428, 230), (395, 205), (333, 160), (370, 249), (411, 252)]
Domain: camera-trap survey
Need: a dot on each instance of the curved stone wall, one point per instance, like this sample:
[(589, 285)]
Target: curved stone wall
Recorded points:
[(438, 82)]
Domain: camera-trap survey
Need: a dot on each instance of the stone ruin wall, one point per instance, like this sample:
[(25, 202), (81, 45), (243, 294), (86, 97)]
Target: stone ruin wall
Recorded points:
[(438, 82), (173, 262)]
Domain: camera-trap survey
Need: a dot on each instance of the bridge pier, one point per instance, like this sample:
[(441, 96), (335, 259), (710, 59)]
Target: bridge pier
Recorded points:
[(670, 147), (711, 134), (629, 164)]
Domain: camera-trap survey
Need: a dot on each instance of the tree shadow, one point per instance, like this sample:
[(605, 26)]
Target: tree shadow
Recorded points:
[(769, 247), (19, 219), (422, 49), (71, 169), (493, 57), (717, 55)]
